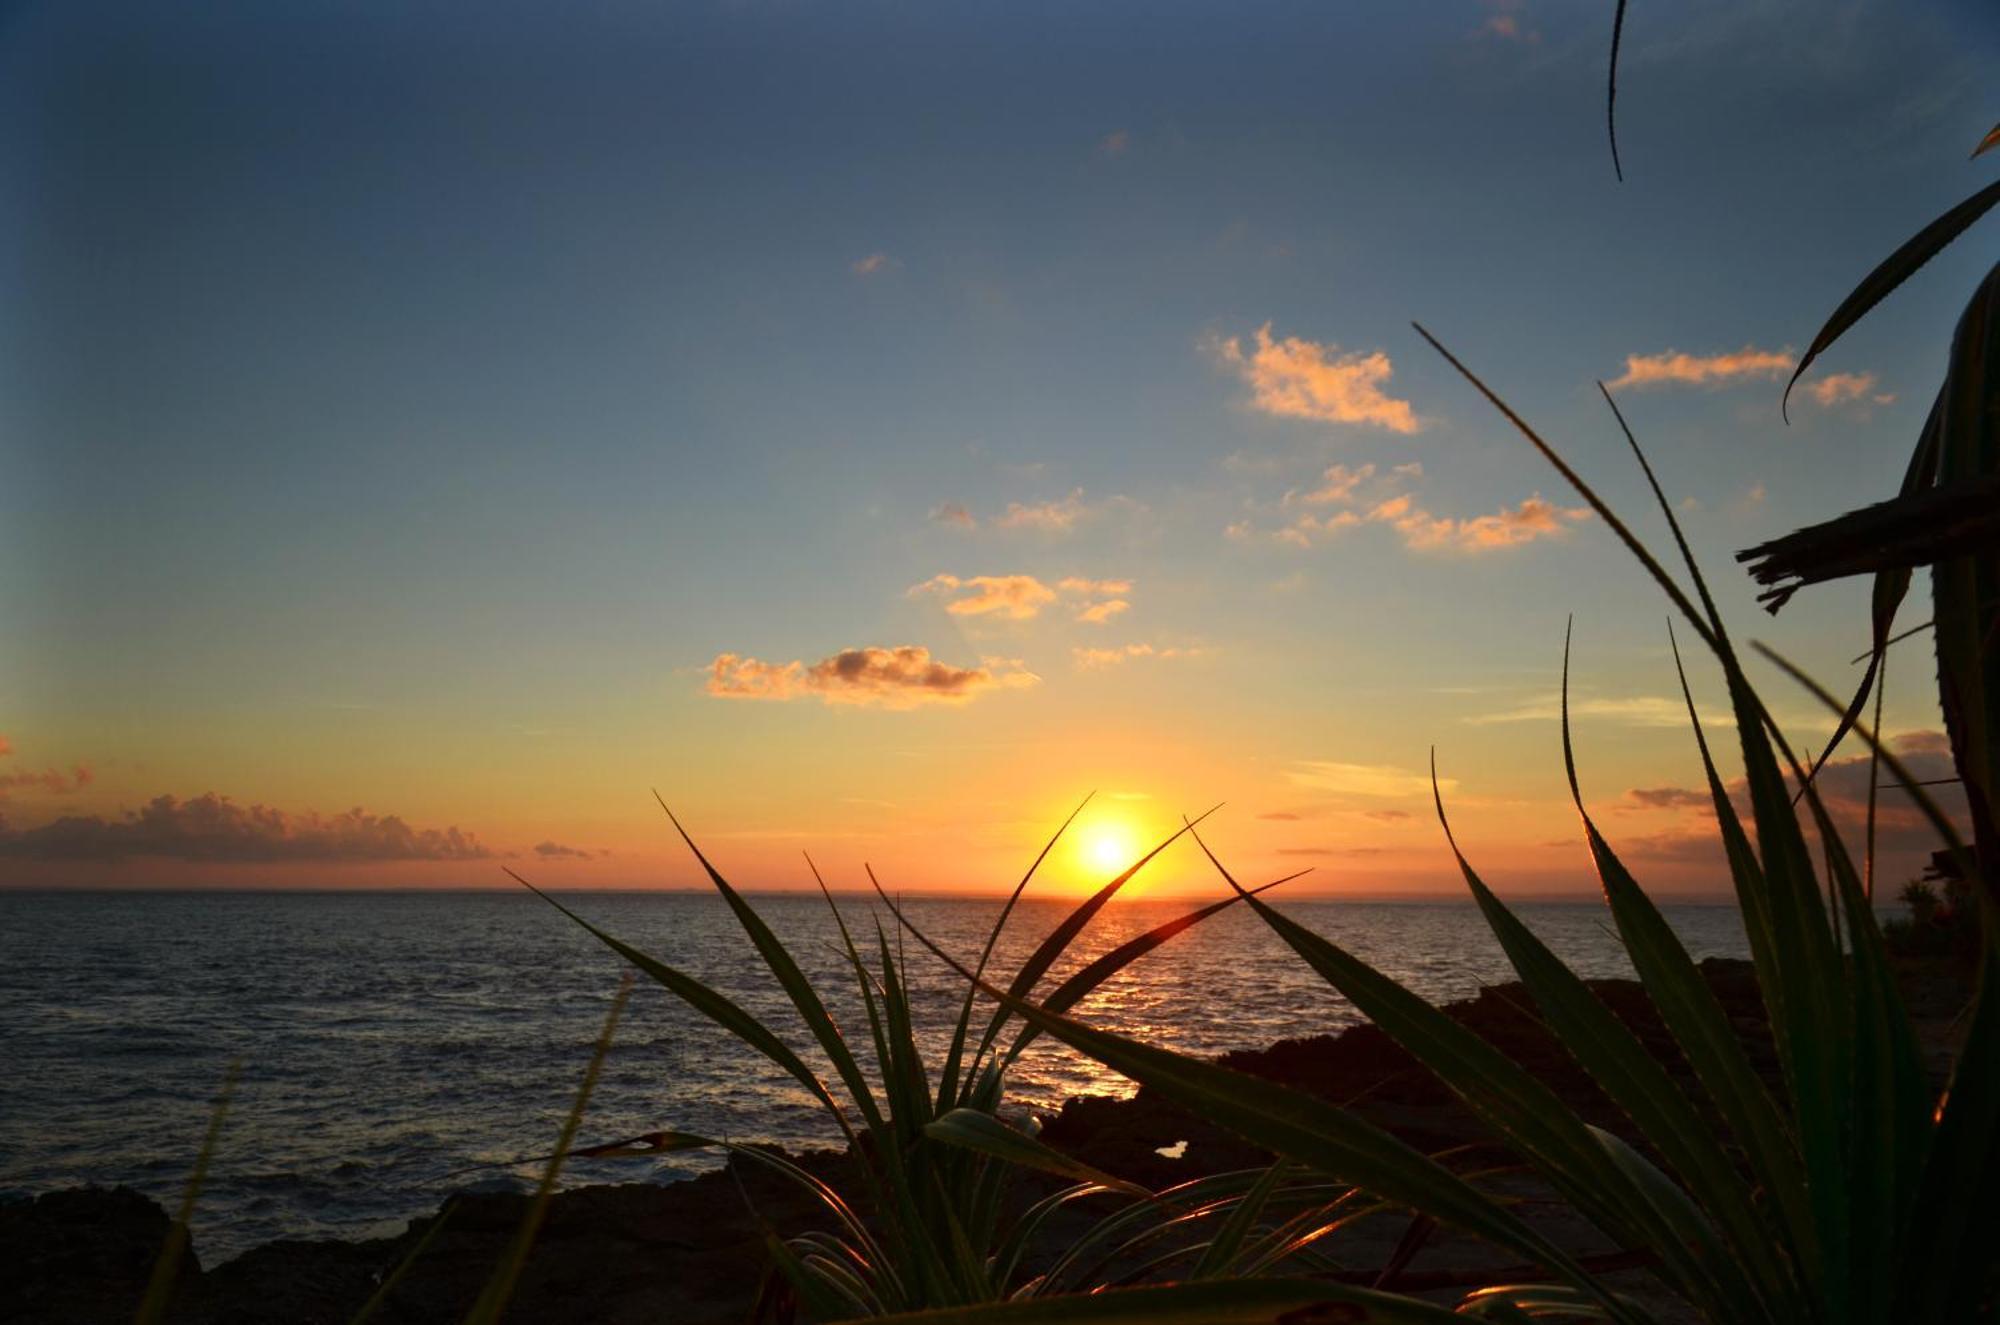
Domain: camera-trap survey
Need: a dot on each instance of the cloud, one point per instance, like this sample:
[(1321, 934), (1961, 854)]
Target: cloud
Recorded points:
[(1115, 142), (1337, 484), (1058, 515), (1078, 584), (1630, 711), (1363, 779), (1504, 528), (51, 780), (1921, 743), (1012, 597), (1668, 798), (872, 265), (215, 828), (1097, 614), (903, 677), (1097, 659), (557, 851), (1286, 815), (1676, 369), (1303, 379), (1421, 530), (1836, 389), (1387, 816)]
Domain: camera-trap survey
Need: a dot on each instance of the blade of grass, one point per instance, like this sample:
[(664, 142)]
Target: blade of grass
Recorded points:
[(403, 1267), (1611, 90), (166, 1268), (493, 1298)]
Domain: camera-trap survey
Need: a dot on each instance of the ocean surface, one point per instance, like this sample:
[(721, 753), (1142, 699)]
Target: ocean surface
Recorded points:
[(390, 1041)]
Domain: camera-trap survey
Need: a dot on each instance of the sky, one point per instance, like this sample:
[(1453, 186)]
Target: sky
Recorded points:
[(428, 431)]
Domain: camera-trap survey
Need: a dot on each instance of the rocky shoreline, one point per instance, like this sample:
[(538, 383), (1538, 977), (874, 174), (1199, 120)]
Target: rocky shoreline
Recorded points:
[(693, 1251)]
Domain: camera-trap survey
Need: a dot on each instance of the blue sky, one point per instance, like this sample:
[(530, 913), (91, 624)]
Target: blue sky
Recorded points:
[(403, 406)]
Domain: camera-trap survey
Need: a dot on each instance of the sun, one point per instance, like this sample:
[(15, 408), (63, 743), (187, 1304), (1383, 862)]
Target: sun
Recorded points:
[(1107, 847)]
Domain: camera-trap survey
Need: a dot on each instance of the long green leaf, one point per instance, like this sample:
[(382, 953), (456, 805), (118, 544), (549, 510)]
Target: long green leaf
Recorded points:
[(792, 980), (1635, 1081), (1295, 1125), (1073, 990), (716, 1007), (1232, 1302), (1893, 271), (948, 1080), (987, 1135)]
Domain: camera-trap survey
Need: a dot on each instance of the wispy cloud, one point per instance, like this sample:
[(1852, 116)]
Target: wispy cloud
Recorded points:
[(1676, 369), (1096, 659), (215, 828), (561, 851), (903, 677), (1366, 496), (1381, 780), (1629, 711), (1504, 528), (1055, 516), (1302, 379), (1115, 143), (953, 513), (1013, 597), (1668, 798), (1837, 389), (51, 780), (1098, 613), (872, 265)]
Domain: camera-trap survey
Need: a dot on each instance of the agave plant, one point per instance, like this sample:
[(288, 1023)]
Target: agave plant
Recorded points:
[(930, 1219), (1854, 1192), (1947, 517)]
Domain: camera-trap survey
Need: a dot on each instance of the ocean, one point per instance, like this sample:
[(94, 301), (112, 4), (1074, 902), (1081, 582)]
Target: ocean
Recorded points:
[(388, 1042)]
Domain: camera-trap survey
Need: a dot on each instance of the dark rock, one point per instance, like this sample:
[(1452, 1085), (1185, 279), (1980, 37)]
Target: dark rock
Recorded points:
[(85, 1254)]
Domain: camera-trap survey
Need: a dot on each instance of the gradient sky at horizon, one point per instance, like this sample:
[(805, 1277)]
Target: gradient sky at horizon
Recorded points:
[(429, 410)]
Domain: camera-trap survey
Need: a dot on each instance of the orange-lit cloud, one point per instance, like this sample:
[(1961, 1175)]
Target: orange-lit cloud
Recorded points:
[(1337, 484), (1098, 613), (1058, 515), (1303, 379), (1629, 711), (215, 828), (1115, 142), (1504, 528), (1676, 369), (872, 265), (1095, 659), (1012, 597), (51, 780), (1837, 389), (903, 677)]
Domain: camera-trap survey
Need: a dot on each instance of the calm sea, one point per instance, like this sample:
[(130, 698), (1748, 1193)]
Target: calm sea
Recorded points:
[(388, 1040)]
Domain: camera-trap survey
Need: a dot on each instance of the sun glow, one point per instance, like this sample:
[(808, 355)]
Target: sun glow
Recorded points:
[(1106, 847)]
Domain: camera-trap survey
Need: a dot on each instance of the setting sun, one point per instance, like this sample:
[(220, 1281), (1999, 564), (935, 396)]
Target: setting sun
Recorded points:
[(1106, 847)]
